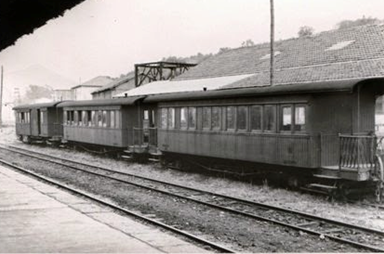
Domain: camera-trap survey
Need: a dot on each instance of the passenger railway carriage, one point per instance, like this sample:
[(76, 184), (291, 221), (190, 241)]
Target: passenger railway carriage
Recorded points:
[(100, 123), (39, 122), (316, 119), (324, 128)]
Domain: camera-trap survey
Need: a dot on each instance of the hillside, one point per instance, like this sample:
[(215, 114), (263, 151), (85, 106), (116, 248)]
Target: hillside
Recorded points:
[(33, 75)]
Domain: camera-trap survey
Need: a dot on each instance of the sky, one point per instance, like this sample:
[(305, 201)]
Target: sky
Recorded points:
[(107, 37)]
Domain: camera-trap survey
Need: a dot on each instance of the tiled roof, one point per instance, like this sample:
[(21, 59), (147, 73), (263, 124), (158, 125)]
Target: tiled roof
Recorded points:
[(322, 57), (372, 68)]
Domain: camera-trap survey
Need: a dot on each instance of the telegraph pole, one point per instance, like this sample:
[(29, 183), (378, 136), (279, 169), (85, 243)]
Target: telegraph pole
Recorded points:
[(272, 42), (1, 95)]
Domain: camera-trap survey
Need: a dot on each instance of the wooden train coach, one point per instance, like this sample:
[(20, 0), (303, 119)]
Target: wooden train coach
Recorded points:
[(39, 122), (327, 127), (103, 123)]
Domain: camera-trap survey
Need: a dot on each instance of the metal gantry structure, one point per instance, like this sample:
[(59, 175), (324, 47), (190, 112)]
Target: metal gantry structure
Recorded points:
[(157, 71)]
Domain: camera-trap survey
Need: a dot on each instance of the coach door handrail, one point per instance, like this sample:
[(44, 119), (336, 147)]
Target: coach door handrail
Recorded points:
[(152, 136)]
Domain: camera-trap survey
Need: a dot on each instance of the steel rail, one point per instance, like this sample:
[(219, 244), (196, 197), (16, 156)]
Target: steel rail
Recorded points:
[(257, 217)]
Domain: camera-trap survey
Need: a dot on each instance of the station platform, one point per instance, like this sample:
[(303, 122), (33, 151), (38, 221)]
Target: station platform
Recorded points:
[(37, 217)]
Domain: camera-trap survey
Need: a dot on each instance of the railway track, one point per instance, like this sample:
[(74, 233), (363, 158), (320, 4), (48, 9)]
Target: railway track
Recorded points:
[(361, 237), (208, 244)]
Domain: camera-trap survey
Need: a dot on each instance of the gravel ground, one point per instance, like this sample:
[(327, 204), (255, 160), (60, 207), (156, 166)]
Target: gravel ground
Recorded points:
[(370, 217)]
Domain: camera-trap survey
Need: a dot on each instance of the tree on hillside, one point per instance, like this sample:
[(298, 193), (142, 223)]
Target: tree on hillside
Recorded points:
[(247, 43), (305, 31), (199, 57), (35, 92), (222, 50), (358, 22)]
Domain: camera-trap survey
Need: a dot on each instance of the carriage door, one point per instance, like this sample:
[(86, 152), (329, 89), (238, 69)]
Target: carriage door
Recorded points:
[(149, 129), (35, 122)]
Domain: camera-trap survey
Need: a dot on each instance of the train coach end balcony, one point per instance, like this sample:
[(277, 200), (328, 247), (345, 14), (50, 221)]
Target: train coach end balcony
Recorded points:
[(358, 158), (144, 140)]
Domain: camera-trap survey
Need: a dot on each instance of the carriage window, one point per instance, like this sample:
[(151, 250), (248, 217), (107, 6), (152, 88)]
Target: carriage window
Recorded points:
[(22, 117), (108, 119), (94, 118), (242, 112), (69, 117), (183, 118), (192, 118), (100, 118), (286, 118), (216, 118), (28, 118), (269, 118), (255, 116), (117, 115), (84, 118), (171, 118), (89, 118), (76, 118), (66, 113), (164, 118), (104, 118), (42, 121), (206, 117), (80, 119), (300, 118), (72, 117), (112, 122), (230, 118)]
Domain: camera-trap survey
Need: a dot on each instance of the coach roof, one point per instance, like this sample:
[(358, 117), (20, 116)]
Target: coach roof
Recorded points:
[(318, 87), (38, 105), (108, 102)]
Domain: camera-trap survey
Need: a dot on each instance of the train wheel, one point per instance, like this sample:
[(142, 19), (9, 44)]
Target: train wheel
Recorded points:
[(27, 139), (293, 182)]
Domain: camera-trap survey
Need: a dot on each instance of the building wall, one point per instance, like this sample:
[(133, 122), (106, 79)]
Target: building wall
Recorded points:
[(83, 93), (109, 93), (62, 95)]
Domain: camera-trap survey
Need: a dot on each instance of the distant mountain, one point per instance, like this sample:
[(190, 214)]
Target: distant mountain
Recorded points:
[(34, 75)]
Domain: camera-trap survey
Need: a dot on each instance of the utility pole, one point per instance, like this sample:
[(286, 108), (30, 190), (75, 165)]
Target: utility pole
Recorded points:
[(1, 95), (272, 58)]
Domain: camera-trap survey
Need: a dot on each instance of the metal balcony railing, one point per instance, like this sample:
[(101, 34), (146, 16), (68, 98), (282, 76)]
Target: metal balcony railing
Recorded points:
[(357, 152)]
